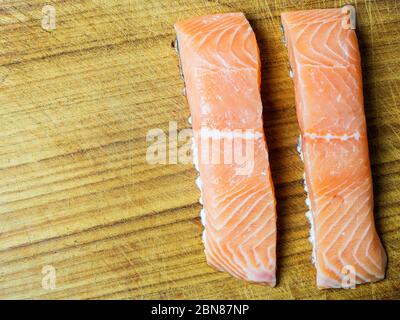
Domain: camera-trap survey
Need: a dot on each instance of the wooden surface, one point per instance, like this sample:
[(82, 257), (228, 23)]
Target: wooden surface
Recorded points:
[(76, 191)]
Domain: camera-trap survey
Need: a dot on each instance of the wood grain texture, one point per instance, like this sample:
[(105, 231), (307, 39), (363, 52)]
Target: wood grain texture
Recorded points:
[(77, 193)]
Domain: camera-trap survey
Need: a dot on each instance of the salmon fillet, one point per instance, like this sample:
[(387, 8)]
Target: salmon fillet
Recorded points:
[(326, 69), (221, 68)]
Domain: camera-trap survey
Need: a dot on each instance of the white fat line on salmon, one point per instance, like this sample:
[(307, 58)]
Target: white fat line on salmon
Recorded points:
[(309, 213), (230, 134), (299, 146), (195, 155), (329, 137), (199, 186), (198, 180)]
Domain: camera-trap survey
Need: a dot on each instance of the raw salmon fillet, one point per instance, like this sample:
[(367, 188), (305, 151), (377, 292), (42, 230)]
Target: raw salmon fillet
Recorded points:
[(221, 68), (325, 62)]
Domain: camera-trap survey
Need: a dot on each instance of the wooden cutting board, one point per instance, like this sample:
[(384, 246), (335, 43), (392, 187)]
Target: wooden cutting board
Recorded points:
[(79, 201)]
